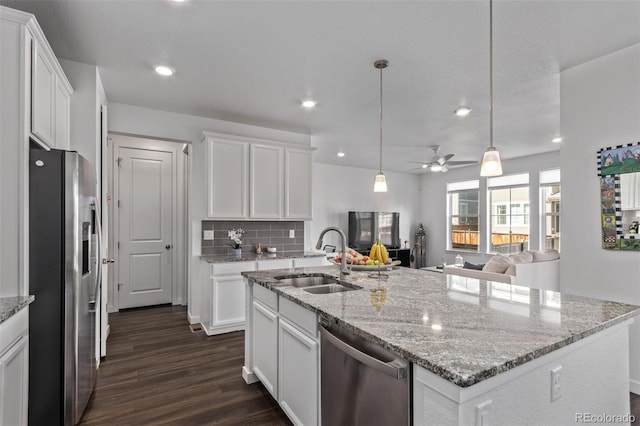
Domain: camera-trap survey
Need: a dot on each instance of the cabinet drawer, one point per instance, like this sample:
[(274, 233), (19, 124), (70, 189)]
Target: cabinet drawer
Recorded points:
[(12, 329), (264, 265), (232, 268), (266, 296), (301, 317)]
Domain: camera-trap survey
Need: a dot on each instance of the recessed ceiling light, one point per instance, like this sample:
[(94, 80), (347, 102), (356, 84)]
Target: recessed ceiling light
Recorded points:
[(462, 111), (164, 70), (340, 154), (179, 1), (424, 166), (556, 140), (436, 327), (309, 103)]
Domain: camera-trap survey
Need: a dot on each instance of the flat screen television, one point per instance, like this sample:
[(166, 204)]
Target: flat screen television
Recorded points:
[(366, 227)]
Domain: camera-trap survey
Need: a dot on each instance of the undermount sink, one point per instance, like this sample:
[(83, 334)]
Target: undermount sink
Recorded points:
[(308, 281), (328, 288), (316, 284)]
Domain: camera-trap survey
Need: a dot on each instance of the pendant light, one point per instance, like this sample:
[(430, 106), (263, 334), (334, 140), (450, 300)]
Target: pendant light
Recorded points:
[(380, 182), (491, 164)]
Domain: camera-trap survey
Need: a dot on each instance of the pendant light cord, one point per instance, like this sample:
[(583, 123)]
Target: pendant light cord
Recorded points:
[(491, 73), (380, 168)]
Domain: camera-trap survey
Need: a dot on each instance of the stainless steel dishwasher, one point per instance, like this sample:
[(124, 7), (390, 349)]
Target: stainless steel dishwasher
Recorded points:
[(362, 383)]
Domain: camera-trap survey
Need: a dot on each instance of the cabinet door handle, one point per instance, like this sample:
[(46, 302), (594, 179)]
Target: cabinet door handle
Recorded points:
[(168, 246)]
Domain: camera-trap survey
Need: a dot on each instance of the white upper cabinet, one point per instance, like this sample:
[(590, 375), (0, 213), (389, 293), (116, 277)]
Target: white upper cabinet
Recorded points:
[(50, 98), (227, 179), (266, 181), (43, 90), (257, 179), (63, 116), (298, 171)]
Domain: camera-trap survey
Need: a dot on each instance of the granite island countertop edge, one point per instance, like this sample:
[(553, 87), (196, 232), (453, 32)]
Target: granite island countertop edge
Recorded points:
[(9, 306), (265, 279)]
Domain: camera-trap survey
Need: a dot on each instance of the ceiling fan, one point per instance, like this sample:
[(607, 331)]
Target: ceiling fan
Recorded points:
[(439, 163)]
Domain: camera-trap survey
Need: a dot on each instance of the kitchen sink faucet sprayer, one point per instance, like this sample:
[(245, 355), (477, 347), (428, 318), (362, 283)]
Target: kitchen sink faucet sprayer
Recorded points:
[(343, 243)]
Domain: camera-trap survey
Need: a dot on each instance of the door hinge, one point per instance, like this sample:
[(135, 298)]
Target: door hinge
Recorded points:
[(119, 161), (120, 285), (118, 245), (118, 203)]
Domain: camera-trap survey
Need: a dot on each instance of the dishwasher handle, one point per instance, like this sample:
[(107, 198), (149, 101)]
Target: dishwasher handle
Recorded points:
[(389, 368)]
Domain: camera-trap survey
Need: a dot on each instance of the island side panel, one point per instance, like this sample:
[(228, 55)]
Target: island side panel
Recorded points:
[(593, 381), (247, 370)]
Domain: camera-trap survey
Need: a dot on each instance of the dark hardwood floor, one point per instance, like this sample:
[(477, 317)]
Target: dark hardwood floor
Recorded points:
[(158, 372)]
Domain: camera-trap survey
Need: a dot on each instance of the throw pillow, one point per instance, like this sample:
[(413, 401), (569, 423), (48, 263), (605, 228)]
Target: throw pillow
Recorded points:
[(544, 255), (477, 267), (498, 264), (511, 270)]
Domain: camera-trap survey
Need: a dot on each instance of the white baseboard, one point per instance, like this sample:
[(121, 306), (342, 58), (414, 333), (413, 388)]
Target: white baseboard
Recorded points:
[(193, 319), (634, 386), (249, 376)]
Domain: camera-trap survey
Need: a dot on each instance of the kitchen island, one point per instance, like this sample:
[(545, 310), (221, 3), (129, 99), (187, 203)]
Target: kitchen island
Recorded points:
[(482, 352)]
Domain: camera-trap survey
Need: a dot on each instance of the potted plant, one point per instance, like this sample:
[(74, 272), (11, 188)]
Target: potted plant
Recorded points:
[(235, 235)]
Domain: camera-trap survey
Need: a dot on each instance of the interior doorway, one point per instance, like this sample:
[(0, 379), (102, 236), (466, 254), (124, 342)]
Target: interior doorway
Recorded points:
[(148, 222)]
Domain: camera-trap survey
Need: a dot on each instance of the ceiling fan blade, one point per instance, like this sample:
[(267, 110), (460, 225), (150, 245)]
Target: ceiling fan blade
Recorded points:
[(460, 163), (419, 162), (444, 169), (445, 158)]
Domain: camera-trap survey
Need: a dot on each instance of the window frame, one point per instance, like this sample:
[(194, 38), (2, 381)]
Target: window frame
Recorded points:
[(457, 188), (549, 178), (510, 182)]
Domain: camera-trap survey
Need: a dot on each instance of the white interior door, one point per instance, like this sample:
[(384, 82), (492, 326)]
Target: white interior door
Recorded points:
[(145, 209)]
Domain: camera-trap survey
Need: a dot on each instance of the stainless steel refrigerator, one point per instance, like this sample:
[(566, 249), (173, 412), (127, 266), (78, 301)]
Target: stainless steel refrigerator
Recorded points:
[(64, 276)]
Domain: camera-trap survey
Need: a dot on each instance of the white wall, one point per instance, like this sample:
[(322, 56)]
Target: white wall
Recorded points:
[(339, 189), (599, 107), (434, 204)]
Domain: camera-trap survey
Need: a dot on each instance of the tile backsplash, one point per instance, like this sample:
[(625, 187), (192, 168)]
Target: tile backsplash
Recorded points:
[(272, 234)]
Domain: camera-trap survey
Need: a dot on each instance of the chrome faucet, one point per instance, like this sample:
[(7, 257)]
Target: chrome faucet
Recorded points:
[(343, 241)]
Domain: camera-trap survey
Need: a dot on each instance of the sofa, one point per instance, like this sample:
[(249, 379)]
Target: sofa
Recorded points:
[(533, 268)]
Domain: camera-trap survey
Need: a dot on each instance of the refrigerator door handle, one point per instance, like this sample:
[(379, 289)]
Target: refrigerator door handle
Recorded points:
[(93, 298)]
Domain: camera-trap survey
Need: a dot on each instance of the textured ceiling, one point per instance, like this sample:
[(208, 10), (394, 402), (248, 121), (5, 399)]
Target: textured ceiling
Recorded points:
[(253, 61)]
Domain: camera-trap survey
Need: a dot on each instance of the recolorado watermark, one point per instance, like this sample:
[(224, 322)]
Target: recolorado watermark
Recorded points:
[(604, 418)]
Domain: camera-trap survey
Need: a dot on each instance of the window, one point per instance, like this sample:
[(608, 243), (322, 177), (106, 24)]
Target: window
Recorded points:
[(550, 204), (509, 213), (463, 215)]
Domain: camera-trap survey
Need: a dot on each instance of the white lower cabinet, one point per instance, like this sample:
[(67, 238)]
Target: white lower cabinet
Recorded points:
[(298, 374), (223, 304), (282, 351), (14, 369), (265, 346)]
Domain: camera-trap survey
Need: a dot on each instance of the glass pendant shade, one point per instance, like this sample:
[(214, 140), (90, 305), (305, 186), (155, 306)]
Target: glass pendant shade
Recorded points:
[(491, 164), (380, 183)]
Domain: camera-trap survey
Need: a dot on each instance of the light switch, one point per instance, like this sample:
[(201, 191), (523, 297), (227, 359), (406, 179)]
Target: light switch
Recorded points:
[(292, 233), (208, 235)]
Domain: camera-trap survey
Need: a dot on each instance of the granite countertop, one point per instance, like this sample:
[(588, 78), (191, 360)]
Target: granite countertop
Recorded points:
[(462, 329), (249, 256), (9, 306)]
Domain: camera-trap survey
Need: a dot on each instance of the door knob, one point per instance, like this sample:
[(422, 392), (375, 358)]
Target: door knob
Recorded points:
[(110, 260), (168, 246)]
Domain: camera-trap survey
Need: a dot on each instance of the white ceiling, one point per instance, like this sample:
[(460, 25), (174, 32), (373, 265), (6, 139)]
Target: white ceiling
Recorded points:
[(253, 61)]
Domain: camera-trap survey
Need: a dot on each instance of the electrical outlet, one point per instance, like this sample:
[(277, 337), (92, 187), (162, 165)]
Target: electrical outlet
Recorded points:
[(483, 414), (555, 383), (208, 235), (292, 233)]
